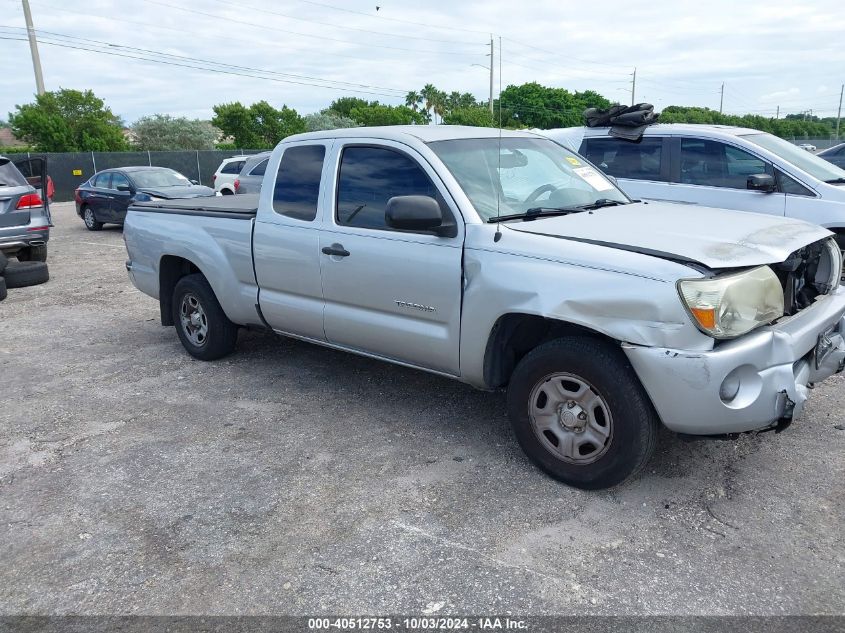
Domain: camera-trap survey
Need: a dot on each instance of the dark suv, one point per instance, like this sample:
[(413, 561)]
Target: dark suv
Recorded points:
[(24, 209)]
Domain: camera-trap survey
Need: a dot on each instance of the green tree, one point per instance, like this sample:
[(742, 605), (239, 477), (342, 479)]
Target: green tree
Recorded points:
[(164, 132), (258, 126), (344, 105), (413, 100), (533, 105), (327, 120), (792, 126), (478, 116), (378, 114), (68, 121)]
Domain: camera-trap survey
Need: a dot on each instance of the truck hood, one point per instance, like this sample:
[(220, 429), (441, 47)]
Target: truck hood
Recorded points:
[(716, 238), (171, 193)]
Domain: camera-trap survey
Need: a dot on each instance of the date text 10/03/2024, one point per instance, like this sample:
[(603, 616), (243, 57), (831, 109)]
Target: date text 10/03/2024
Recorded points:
[(417, 623)]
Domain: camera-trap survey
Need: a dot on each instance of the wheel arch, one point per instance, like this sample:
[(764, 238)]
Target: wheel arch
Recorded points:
[(515, 334), (171, 269)]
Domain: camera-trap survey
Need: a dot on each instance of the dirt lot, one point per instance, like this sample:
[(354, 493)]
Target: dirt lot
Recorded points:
[(293, 479)]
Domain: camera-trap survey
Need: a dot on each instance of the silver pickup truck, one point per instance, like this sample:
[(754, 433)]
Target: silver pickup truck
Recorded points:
[(506, 260)]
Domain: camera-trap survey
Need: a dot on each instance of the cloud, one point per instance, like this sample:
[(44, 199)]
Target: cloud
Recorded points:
[(767, 53)]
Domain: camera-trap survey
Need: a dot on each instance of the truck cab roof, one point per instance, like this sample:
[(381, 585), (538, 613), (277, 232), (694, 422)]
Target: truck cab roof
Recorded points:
[(424, 133)]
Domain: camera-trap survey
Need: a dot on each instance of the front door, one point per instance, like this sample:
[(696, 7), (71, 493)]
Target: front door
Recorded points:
[(395, 294), (121, 197), (286, 242), (715, 174)]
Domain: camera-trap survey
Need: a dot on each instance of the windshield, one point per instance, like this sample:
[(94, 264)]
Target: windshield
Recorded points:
[(158, 178), (801, 158), (519, 174)]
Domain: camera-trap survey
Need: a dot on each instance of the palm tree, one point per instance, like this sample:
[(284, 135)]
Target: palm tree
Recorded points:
[(413, 100), (430, 96)]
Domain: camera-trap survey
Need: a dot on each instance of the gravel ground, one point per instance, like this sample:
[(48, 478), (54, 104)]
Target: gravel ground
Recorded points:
[(292, 479)]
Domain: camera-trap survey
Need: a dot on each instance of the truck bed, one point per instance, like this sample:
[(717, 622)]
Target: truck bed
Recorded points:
[(243, 207)]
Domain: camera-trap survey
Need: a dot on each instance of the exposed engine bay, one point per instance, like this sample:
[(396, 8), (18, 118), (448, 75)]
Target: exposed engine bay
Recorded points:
[(807, 273)]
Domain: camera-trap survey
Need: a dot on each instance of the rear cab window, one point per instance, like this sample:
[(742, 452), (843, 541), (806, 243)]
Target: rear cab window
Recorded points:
[(297, 188), (260, 168), (637, 160)]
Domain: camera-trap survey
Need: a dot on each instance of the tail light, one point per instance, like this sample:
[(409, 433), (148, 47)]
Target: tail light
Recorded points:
[(237, 184), (76, 195), (30, 201), (213, 177)]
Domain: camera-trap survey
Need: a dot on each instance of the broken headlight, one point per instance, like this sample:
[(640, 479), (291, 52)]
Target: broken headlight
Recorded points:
[(731, 305)]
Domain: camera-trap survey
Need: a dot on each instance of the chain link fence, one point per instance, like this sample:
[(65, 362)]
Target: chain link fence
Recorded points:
[(69, 170)]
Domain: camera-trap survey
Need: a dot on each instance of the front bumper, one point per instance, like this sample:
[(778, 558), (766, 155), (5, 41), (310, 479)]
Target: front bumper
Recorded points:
[(770, 370)]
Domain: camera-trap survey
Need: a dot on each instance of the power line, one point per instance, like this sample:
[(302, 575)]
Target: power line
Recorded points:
[(258, 74), (399, 91), (228, 3), (276, 29), (384, 17)]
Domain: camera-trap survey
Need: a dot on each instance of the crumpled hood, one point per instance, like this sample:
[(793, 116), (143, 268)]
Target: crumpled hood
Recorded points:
[(717, 238), (170, 193)]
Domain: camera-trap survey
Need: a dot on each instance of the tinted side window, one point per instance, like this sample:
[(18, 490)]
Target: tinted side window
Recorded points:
[(232, 168), (369, 177), (102, 180), (640, 160), (260, 168), (298, 182), (119, 179), (718, 165), (789, 185)]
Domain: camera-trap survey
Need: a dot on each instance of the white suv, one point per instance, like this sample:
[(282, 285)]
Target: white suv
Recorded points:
[(718, 166), (224, 177)]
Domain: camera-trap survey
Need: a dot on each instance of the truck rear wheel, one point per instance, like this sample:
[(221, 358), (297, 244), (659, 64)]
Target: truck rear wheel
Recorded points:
[(580, 413), (202, 326)]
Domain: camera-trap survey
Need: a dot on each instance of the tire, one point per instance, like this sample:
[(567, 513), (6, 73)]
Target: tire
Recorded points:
[(4, 261), (226, 192), (24, 274), (33, 254), (600, 444), (90, 220), (203, 328), (3, 292)]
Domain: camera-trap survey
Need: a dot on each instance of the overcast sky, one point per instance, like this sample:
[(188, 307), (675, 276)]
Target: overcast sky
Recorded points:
[(769, 53)]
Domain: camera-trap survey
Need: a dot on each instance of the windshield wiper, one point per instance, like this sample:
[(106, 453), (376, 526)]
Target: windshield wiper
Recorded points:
[(602, 202), (836, 181), (534, 213)]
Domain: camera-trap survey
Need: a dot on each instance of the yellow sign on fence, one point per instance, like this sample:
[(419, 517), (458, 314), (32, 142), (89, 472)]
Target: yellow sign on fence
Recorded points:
[(77, 172)]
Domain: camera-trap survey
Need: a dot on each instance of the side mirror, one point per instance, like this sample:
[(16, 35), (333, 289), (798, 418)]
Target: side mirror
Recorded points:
[(761, 182), (126, 188), (417, 213)]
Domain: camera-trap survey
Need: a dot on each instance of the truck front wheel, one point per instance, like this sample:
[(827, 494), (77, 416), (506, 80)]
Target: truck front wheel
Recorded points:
[(580, 413), (204, 329)]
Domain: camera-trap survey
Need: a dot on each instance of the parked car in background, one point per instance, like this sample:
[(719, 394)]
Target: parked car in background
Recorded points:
[(501, 259), (835, 155), (227, 172), (105, 197), (807, 147), (252, 174), (718, 166), (24, 212)]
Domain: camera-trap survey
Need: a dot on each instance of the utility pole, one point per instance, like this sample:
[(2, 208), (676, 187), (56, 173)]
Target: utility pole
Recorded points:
[(777, 113), (33, 47), (722, 98), (634, 86), (491, 74), (839, 112)]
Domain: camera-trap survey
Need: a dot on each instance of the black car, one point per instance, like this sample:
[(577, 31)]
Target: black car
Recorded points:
[(835, 155), (106, 196)]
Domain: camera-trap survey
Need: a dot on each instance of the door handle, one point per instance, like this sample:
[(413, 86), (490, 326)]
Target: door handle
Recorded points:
[(337, 250)]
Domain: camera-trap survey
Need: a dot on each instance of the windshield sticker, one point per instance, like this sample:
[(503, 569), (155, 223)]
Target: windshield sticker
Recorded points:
[(573, 161), (593, 178)]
